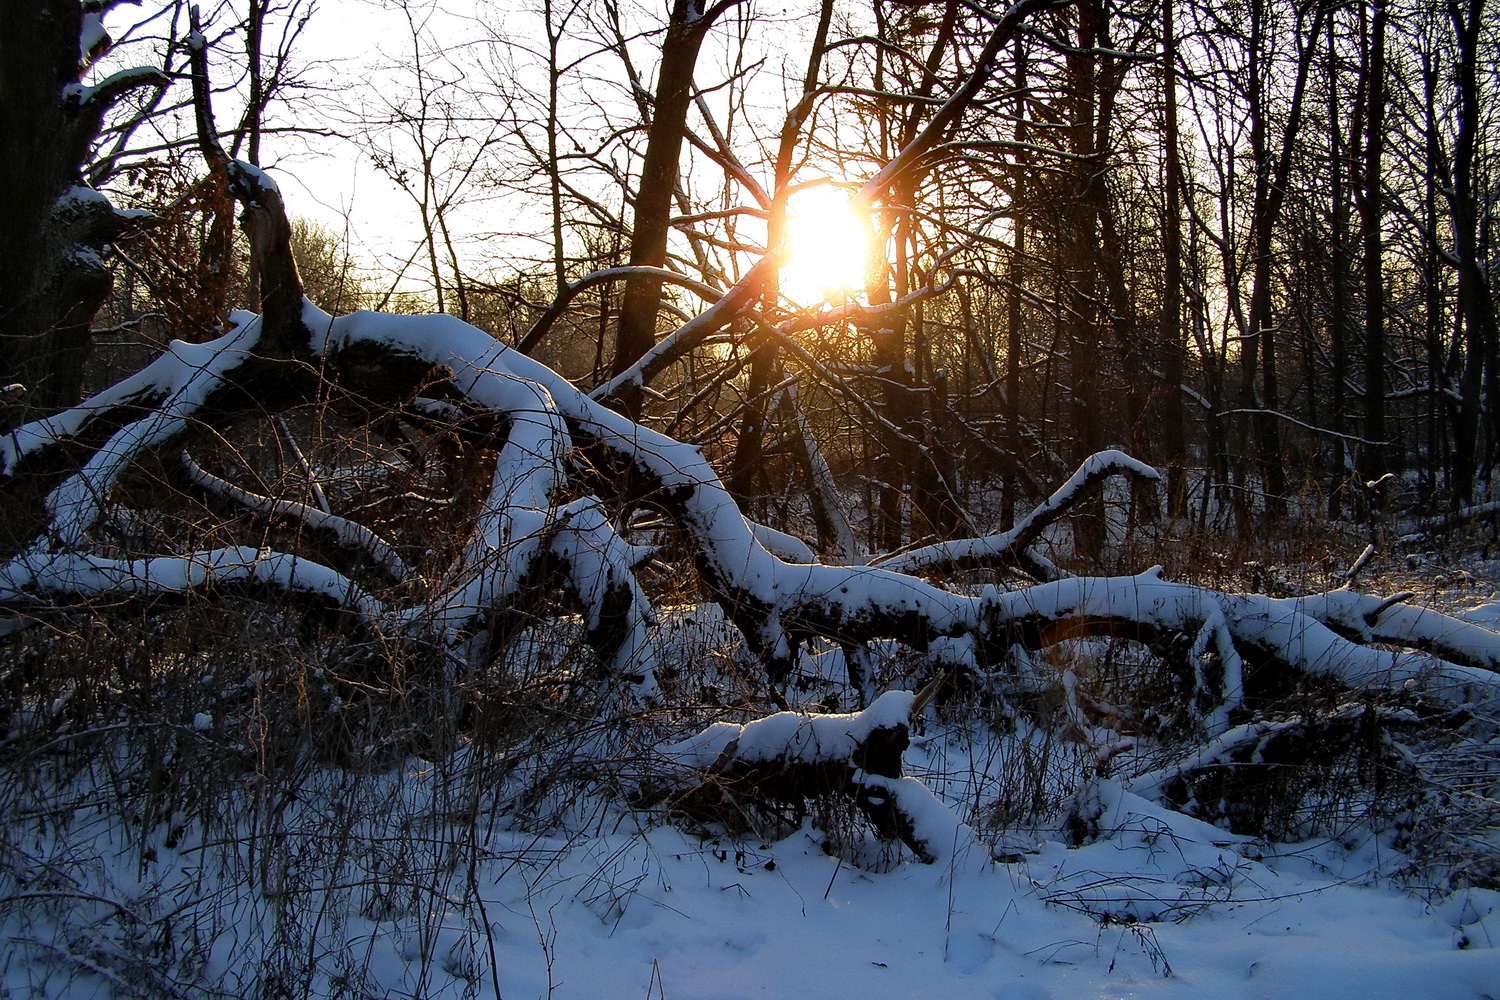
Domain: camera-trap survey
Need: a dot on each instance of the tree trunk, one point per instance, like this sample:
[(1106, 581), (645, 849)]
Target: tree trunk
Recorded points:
[(1173, 341), (688, 25), (1338, 271), (1439, 404), (52, 277), (1272, 173), (750, 443), (1474, 303), (1081, 251), (1374, 460)]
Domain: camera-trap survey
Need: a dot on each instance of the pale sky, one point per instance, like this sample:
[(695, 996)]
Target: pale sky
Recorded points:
[(332, 181), (335, 182)]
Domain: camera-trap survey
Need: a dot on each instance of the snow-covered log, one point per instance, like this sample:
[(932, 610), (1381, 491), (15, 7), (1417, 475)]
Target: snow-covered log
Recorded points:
[(598, 568), (350, 535), (1255, 778), (1274, 634), (776, 603), (1367, 618), (1011, 548), (37, 580), (790, 757)]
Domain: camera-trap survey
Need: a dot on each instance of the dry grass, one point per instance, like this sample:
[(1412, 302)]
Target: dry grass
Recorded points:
[(256, 744)]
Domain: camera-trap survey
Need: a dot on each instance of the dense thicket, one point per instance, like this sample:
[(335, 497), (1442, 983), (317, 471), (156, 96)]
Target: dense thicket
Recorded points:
[(1247, 240)]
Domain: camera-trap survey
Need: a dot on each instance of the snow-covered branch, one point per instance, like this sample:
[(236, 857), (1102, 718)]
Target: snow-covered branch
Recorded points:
[(790, 756), (776, 603), (349, 534), (1276, 634), (1008, 547), (38, 579)]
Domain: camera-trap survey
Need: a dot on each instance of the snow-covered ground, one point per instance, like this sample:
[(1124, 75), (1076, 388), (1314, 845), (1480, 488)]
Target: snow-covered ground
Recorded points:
[(660, 913), (428, 880), (663, 915)]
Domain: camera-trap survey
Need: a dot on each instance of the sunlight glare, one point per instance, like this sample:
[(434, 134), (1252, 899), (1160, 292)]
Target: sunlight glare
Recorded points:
[(830, 246)]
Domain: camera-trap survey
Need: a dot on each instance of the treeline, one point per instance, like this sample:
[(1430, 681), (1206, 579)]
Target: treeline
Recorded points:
[(1251, 243)]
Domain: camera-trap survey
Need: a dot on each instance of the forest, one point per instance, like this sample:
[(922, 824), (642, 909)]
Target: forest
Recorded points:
[(468, 471)]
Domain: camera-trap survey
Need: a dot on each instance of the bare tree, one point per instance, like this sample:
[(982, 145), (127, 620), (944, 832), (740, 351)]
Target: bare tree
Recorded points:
[(399, 499)]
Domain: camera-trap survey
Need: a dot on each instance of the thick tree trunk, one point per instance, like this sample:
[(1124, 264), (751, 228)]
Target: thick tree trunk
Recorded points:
[(1081, 250), (1476, 307), (1257, 391), (52, 278)]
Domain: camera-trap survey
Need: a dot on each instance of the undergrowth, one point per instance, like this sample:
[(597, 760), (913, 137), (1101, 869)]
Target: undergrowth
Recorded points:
[(184, 785)]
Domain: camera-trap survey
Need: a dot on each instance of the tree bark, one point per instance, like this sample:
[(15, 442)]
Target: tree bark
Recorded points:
[(1476, 308), (1338, 273), (1173, 341), (1374, 461), (52, 276), (686, 29), (1081, 254)]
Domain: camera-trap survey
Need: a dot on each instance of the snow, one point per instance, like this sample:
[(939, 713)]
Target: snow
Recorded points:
[(794, 736), (78, 198), (116, 82), (259, 178), (1368, 616), (1292, 630), (493, 375), (600, 561), (782, 545), (948, 842), (436, 887), (974, 550), (91, 36), (38, 573), (176, 384), (1157, 908), (770, 599)]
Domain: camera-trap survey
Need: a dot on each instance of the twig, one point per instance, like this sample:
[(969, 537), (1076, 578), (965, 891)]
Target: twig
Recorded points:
[(1359, 565)]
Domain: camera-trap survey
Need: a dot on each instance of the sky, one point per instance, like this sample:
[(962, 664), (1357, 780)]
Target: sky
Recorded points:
[(330, 180), (335, 182), (348, 49)]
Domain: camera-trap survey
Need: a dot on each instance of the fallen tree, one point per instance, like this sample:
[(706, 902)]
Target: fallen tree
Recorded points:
[(539, 483), (563, 461), (567, 473)]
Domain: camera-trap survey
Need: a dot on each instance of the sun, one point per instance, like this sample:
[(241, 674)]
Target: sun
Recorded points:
[(829, 246)]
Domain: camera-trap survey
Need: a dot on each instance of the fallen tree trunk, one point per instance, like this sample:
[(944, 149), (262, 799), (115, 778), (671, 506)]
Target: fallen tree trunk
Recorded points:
[(792, 757), (563, 465)]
